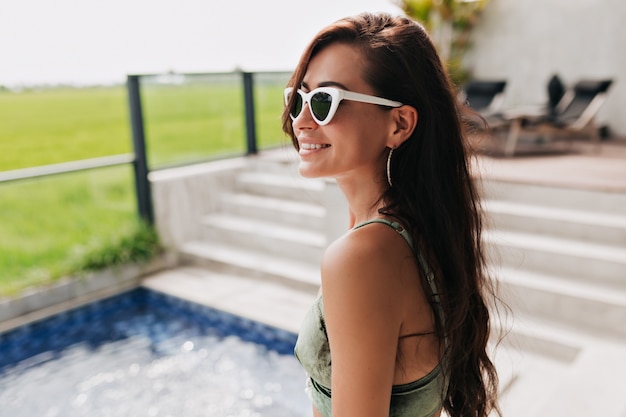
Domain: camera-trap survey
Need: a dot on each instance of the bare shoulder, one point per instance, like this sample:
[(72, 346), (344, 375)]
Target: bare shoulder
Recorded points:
[(366, 261)]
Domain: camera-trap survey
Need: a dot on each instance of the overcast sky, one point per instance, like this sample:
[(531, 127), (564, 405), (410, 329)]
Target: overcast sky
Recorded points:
[(97, 41)]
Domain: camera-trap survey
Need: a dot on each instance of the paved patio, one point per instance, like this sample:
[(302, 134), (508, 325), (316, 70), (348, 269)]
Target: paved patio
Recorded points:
[(584, 167)]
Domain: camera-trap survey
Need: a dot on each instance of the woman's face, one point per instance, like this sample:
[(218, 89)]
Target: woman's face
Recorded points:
[(353, 143)]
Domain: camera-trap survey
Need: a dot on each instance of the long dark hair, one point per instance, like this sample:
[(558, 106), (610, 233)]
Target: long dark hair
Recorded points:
[(433, 192)]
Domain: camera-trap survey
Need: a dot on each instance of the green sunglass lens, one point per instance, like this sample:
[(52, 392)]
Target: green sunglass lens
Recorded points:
[(320, 105), (297, 106)]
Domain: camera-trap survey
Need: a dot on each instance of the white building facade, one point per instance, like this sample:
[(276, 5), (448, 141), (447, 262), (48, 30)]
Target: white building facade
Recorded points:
[(525, 42)]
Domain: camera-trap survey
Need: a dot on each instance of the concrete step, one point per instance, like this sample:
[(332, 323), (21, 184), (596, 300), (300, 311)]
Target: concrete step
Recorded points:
[(534, 358), (264, 236), (287, 212), (294, 188), (227, 259), (548, 361), (278, 161), (580, 306), (278, 305), (608, 229), (593, 386), (602, 265), (594, 201), (544, 337)]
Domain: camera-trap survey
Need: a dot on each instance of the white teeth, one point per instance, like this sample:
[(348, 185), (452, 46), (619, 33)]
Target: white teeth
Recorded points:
[(311, 146)]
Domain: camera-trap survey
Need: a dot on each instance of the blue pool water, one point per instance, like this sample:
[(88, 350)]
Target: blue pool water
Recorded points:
[(144, 353)]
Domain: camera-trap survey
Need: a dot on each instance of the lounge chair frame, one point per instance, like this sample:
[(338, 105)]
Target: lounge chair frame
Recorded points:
[(562, 124)]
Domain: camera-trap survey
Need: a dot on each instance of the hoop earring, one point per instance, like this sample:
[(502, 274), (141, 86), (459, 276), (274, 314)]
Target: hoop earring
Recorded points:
[(389, 168)]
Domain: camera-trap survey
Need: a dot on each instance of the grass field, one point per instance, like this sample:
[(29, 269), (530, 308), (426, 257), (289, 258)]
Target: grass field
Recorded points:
[(47, 224)]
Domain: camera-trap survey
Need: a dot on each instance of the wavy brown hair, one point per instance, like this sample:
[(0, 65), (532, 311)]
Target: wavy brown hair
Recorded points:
[(433, 193)]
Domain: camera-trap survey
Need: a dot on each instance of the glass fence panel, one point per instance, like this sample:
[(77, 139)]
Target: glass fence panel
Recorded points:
[(268, 95), (47, 224), (55, 125), (191, 118)]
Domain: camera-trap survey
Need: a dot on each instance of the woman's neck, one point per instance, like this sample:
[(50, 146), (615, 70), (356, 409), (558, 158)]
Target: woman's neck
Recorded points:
[(364, 199)]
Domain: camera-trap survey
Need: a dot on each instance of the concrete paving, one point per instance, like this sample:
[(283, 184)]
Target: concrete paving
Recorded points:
[(271, 303), (601, 167)]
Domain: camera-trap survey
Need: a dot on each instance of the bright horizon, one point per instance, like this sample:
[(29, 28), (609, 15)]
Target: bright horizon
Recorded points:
[(85, 42)]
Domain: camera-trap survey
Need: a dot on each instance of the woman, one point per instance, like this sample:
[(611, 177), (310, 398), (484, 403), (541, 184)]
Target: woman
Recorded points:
[(402, 309)]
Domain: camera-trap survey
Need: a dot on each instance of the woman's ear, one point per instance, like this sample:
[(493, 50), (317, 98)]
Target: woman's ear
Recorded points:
[(404, 122)]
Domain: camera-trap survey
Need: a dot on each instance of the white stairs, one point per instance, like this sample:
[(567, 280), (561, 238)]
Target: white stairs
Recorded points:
[(269, 226), (559, 256), (562, 254)]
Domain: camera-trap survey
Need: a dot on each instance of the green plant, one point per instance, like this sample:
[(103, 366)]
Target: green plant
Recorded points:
[(450, 23), (140, 245)]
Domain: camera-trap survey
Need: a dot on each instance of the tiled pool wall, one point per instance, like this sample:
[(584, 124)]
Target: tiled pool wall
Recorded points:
[(95, 324)]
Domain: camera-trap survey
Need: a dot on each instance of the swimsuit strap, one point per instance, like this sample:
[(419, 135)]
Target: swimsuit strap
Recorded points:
[(394, 225), (430, 277)]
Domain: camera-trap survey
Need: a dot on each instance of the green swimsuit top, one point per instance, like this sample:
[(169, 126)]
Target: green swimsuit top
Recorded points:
[(421, 398)]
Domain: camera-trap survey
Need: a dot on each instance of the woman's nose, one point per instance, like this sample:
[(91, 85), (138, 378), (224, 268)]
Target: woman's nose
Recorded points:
[(304, 119)]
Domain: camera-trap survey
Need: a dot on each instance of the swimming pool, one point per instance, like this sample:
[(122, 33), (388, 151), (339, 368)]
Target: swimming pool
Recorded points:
[(144, 353)]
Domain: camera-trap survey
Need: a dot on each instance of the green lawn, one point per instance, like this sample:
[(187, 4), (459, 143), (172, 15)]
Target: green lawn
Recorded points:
[(51, 126), (47, 224)]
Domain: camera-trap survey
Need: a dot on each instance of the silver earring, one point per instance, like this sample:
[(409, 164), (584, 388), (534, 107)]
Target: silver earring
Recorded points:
[(389, 168)]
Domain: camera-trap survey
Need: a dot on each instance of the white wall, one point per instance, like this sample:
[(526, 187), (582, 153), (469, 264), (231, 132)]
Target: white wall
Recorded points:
[(526, 41)]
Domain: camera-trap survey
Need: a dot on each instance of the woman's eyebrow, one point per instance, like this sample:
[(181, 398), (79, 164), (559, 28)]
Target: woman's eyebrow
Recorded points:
[(332, 84), (325, 84)]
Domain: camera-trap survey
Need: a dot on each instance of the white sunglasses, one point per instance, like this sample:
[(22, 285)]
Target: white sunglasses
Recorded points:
[(324, 101)]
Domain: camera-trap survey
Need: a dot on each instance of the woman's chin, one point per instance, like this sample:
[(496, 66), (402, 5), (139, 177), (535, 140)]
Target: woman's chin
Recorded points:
[(307, 171)]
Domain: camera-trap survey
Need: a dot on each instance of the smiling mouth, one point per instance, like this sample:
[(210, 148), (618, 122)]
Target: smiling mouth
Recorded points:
[(312, 146)]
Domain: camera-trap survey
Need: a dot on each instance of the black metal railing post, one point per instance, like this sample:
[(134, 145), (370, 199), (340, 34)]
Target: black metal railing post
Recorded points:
[(140, 163), (248, 93)]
